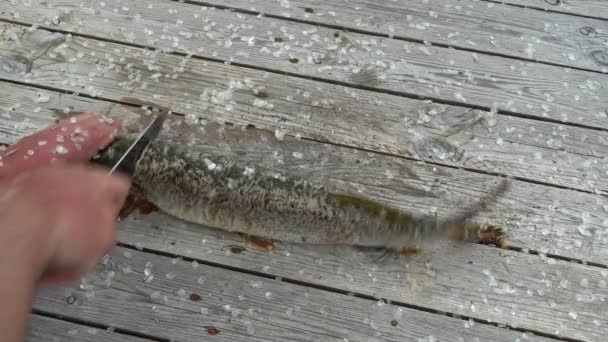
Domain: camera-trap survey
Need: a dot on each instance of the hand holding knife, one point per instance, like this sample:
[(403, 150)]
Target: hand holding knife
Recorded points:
[(128, 161)]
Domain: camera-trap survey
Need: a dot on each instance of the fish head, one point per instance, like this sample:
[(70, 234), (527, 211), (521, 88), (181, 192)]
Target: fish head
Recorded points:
[(110, 155)]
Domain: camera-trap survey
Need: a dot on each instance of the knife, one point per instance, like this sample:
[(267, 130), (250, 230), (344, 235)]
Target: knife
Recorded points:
[(126, 164)]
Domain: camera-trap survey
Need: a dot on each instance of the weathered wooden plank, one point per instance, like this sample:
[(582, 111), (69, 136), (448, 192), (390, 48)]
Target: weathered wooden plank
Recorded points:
[(543, 218), (44, 329), (523, 292), (520, 290), (591, 8), (181, 301), (453, 135), (469, 24), (355, 59)]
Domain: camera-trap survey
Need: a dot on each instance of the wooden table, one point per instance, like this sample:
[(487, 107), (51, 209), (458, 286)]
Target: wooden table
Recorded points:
[(417, 104)]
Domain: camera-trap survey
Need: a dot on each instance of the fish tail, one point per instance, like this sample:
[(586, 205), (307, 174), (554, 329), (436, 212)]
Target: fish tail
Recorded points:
[(461, 229)]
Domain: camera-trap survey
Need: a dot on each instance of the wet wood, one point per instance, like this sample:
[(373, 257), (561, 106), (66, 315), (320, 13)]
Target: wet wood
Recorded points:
[(382, 64), (44, 329), (444, 134), (235, 307)]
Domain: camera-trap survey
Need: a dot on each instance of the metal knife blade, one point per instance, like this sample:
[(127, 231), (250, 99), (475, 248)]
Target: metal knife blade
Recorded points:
[(126, 164)]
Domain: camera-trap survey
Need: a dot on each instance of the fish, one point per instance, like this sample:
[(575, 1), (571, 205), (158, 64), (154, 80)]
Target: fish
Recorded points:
[(220, 192)]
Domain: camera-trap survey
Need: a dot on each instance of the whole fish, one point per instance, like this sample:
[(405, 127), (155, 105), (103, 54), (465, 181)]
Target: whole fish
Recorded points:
[(224, 194)]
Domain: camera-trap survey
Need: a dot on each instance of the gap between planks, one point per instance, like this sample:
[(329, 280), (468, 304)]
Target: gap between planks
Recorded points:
[(349, 85), (548, 8), (513, 248), (384, 90), (344, 292), (43, 318), (401, 37), (590, 186), (328, 142), (377, 34), (412, 96), (350, 303)]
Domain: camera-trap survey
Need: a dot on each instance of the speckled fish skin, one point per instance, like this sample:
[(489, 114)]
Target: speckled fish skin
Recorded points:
[(220, 193)]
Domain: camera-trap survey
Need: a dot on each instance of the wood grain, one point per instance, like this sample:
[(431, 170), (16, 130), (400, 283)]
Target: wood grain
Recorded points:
[(360, 60), (444, 134), (538, 217), (468, 24), (178, 301), (528, 291), (44, 329), (506, 287), (590, 8), (525, 291)]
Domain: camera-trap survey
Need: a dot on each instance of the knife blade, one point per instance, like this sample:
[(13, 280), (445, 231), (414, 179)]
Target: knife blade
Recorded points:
[(126, 164)]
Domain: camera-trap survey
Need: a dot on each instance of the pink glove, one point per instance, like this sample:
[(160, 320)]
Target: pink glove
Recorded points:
[(65, 209)]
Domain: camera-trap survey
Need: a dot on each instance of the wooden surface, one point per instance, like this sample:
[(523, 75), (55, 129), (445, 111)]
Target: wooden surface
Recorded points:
[(242, 307), (44, 329), (342, 79), (388, 65), (402, 183), (589, 8), (485, 26), (444, 134)]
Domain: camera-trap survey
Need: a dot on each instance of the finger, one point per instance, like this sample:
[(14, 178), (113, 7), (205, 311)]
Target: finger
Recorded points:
[(116, 192), (74, 139), (80, 137), (112, 189), (76, 238), (84, 243), (73, 263), (59, 278), (91, 136)]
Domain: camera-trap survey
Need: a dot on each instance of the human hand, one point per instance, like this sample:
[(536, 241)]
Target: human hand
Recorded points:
[(76, 139), (65, 210)]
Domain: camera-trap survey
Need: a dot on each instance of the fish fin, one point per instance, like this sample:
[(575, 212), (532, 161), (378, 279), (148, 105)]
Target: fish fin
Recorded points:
[(494, 236), (382, 257), (263, 244), (410, 251), (235, 249), (388, 255), (484, 203), (128, 207), (459, 228), (136, 201)]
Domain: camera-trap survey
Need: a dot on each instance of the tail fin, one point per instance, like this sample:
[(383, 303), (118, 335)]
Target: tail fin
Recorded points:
[(459, 228)]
